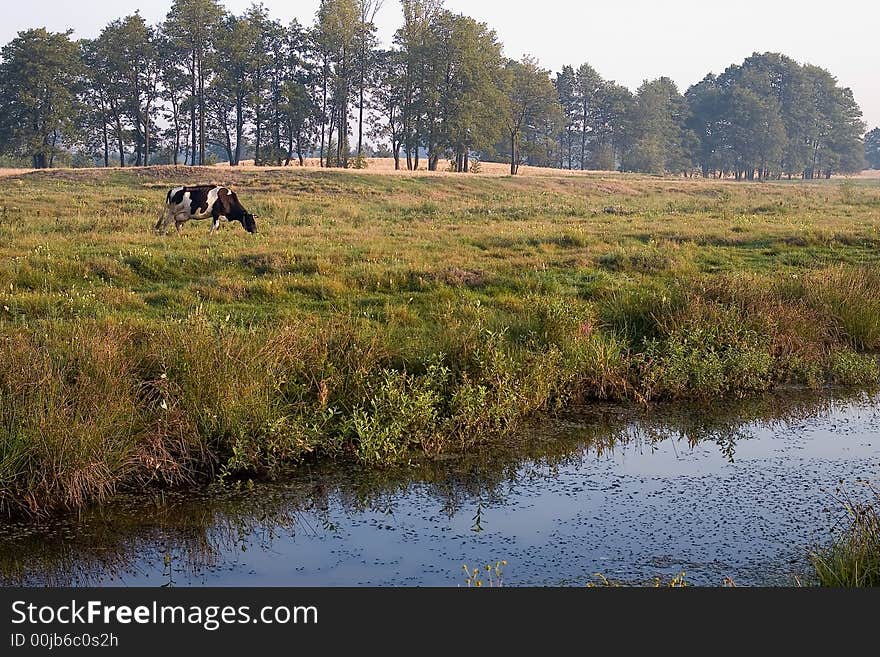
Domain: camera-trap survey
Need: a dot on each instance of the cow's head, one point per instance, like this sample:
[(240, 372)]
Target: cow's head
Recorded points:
[(249, 223)]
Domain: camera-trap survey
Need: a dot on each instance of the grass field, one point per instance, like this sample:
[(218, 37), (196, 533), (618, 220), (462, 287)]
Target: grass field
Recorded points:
[(374, 315)]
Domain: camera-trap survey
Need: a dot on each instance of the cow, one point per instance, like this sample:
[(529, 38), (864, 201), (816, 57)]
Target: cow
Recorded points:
[(202, 202)]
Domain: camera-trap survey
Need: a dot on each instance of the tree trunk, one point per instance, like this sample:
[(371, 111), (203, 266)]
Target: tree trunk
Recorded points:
[(331, 129), (513, 167), (584, 139), (342, 135), (202, 136), (52, 152), (258, 136), (175, 115), (192, 112), (147, 137), (324, 76), (106, 142), (239, 128), (228, 142), (120, 142), (299, 149), (276, 118), (360, 151)]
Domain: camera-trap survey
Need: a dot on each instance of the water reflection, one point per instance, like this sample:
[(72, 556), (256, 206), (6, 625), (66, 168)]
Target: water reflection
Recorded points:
[(615, 489)]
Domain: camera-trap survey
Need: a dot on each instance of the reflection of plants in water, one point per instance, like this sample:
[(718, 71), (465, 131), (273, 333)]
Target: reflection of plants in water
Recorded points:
[(199, 529), (478, 519), (168, 573), (726, 423), (179, 536)]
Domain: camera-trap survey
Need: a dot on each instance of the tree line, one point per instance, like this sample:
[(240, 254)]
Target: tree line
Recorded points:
[(206, 84)]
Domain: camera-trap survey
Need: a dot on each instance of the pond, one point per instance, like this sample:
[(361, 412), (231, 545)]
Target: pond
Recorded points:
[(739, 490)]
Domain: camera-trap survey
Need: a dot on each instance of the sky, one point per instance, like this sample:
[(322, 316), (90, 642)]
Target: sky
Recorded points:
[(628, 41)]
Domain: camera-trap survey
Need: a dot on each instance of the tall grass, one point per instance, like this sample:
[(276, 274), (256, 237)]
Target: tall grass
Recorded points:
[(853, 558), (89, 406), (374, 317)]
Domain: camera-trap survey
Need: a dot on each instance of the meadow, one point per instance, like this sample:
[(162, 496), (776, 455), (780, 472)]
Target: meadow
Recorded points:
[(380, 317)]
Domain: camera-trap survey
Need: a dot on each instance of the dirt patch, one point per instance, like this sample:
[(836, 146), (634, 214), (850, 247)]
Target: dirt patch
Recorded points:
[(618, 210), (457, 277)]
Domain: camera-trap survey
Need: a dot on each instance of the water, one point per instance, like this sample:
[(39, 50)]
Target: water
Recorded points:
[(739, 491)]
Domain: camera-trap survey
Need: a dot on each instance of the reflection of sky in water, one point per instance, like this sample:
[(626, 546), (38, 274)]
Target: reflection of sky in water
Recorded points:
[(645, 508)]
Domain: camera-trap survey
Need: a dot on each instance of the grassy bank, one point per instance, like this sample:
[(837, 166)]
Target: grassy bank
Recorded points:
[(853, 558), (373, 315)]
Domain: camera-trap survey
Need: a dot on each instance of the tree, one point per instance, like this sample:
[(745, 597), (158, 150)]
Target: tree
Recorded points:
[(247, 85), (367, 58), (128, 58), (835, 137), (776, 77), (872, 148), (336, 35), (530, 94), (298, 111), (588, 86), (267, 72), (186, 23), (568, 101), (610, 126), (232, 88), (414, 41), (104, 73), (95, 117), (756, 135), (706, 105), (659, 140), (468, 70), (772, 117), (174, 93), (389, 99), (38, 78)]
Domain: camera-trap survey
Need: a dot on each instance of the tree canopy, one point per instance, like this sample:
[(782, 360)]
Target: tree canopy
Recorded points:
[(252, 88)]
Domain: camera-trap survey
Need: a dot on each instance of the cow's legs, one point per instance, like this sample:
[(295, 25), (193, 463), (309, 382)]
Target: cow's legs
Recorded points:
[(215, 224), (179, 220)]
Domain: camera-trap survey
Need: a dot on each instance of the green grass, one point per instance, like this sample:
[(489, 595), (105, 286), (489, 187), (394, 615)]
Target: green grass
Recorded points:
[(853, 558), (374, 315)]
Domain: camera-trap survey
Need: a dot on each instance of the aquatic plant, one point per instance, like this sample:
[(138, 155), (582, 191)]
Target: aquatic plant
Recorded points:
[(490, 576), (676, 582)]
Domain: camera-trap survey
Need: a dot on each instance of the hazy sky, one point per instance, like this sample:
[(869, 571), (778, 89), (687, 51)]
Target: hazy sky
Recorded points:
[(625, 40)]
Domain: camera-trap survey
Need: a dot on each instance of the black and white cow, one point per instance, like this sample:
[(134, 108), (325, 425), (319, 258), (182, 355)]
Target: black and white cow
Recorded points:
[(203, 202)]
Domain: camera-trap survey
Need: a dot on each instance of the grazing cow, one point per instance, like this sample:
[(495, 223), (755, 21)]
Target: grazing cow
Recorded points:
[(202, 202)]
